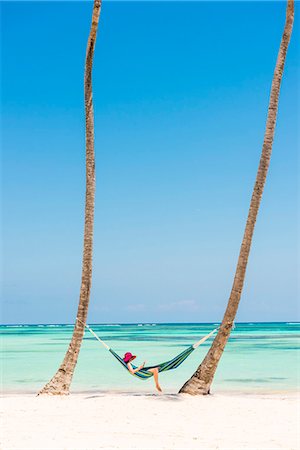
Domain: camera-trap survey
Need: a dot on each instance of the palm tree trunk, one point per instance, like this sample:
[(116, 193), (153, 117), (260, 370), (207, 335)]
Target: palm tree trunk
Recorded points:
[(60, 383), (201, 380)]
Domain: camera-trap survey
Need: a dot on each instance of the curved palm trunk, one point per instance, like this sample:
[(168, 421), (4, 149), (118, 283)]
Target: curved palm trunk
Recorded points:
[(201, 380), (60, 383)]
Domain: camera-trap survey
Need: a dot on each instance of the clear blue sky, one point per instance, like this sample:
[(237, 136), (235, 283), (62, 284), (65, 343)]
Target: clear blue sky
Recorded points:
[(181, 93)]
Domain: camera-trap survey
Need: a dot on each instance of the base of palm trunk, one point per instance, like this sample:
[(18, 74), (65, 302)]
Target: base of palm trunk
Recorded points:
[(195, 386), (59, 385), (53, 390)]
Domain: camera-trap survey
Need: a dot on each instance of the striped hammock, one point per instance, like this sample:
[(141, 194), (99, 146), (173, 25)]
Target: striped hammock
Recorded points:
[(163, 367), (144, 373)]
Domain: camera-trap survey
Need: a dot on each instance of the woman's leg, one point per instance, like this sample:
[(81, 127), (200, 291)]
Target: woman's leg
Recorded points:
[(155, 375)]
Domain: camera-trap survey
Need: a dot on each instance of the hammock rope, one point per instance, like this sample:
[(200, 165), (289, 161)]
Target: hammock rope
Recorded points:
[(162, 367)]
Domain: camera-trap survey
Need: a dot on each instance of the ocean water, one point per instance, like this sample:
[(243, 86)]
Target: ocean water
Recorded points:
[(259, 357)]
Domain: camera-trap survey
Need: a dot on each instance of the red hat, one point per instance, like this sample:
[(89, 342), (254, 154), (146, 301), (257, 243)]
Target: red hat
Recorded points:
[(128, 357)]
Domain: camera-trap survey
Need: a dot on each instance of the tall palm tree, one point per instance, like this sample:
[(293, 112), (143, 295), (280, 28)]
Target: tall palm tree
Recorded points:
[(201, 380), (60, 383)]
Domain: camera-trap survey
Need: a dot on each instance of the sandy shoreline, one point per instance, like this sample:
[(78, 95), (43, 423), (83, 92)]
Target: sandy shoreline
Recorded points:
[(92, 421)]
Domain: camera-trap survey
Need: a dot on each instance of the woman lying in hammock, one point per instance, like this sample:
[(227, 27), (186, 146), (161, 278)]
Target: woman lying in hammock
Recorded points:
[(128, 357)]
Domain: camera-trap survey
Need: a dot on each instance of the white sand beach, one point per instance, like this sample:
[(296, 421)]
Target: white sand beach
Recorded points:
[(92, 421)]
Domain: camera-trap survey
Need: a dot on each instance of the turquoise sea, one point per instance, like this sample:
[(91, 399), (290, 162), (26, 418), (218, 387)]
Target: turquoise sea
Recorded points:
[(259, 357)]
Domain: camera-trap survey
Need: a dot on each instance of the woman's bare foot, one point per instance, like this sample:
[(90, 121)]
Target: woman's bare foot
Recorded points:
[(158, 388)]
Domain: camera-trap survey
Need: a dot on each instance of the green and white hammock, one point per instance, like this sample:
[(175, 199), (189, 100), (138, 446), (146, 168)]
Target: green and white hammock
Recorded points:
[(144, 373)]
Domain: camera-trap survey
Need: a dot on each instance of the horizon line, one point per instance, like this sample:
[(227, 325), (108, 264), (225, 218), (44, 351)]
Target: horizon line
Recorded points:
[(148, 323)]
